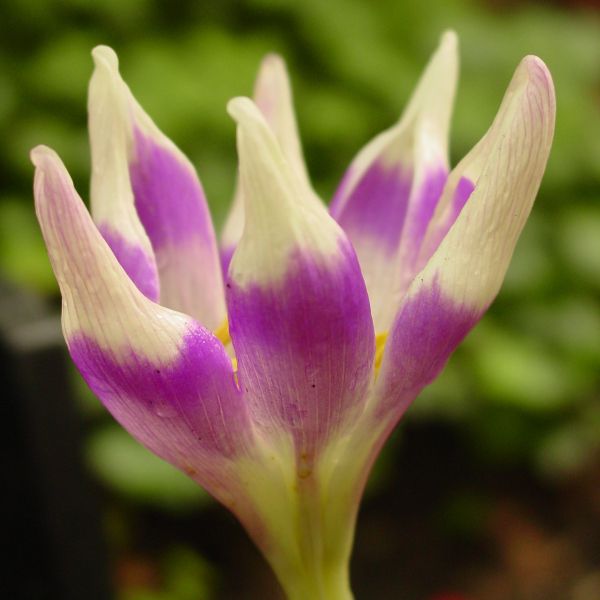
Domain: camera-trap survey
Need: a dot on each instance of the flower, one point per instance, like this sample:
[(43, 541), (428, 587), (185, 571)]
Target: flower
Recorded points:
[(276, 385)]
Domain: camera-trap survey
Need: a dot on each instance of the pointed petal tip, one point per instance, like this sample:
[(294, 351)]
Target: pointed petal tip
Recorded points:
[(447, 50), (273, 59), (255, 139), (433, 97), (272, 78), (45, 160), (244, 111), (251, 120), (105, 56), (537, 71), (105, 79), (41, 155), (449, 40), (533, 62), (532, 79), (50, 172), (533, 70)]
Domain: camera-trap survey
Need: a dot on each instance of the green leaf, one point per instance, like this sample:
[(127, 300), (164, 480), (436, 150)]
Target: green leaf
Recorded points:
[(133, 471), (23, 257), (519, 371)]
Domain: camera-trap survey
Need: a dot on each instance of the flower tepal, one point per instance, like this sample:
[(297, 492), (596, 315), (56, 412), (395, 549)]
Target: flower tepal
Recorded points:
[(273, 377)]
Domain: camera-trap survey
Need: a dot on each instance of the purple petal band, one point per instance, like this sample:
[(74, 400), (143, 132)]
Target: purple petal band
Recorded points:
[(172, 208), (168, 197), (376, 207), (427, 329), (137, 264), (440, 225), (305, 347), (226, 254), (188, 411), (421, 211), (386, 217)]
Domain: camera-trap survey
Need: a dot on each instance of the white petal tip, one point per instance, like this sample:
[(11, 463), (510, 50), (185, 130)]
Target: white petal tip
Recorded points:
[(273, 61), (537, 71), (244, 111), (449, 40), (42, 155), (447, 50), (272, 80), (532, 78), (533, 62), (105, 56)]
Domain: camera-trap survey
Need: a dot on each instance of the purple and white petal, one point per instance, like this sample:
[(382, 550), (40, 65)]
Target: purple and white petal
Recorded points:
[(273, 96), (162, 375), (170, 204), (457, 191), (502, 175), (298, 307), (112, 202), (391, 189)]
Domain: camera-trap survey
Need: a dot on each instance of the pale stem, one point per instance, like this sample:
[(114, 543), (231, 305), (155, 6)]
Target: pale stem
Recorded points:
[(322, 574)]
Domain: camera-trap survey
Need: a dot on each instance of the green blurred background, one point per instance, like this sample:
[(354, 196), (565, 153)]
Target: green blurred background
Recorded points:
[(522, 392)]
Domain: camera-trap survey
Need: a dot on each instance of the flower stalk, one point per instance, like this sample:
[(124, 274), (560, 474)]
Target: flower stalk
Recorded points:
[(322, 570)]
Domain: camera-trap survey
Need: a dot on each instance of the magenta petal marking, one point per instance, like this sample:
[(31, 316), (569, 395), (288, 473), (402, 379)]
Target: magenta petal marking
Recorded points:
[(226, 254), (171, 206), (424, 206), (186, 411), (305, 347), (376, 207), (427, 329), (381, 208), (386, 217), (168, 197), (463, 191), (438, 230), (136, 263)]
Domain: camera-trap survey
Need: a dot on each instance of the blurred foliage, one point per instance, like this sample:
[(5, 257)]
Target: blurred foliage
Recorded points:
[(525, 385), (137, 473), (183, 576)]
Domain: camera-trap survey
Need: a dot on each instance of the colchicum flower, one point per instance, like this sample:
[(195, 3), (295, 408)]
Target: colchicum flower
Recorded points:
[(275, 385)]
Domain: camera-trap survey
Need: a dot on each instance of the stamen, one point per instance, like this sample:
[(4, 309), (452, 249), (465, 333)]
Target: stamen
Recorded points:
[(222, 333), (380, 340)]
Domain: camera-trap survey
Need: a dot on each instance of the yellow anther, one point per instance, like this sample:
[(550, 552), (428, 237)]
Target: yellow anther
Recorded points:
[(222, 333), (380, 340)]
